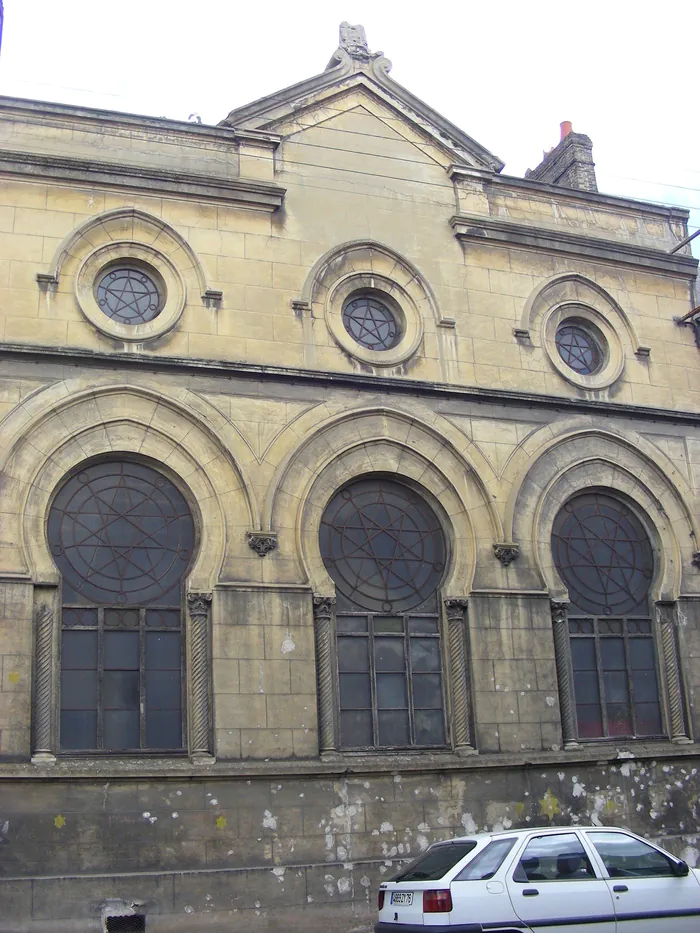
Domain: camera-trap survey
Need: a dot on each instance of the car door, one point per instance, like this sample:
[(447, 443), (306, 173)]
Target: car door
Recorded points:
[(648, 894), (554, 887)]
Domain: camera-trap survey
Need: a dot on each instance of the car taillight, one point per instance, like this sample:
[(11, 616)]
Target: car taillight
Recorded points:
[(380, 900), (437, 902)]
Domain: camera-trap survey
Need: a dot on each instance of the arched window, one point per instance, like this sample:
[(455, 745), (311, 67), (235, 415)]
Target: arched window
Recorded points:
[(385, 550), (604, 557), (122, 536)]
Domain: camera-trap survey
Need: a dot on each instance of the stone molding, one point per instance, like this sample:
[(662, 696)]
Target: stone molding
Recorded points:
[(506, 553), (198, 607), (481, 229), (262, 542), (253, 195)]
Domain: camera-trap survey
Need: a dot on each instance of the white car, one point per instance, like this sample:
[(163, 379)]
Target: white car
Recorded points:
[(592, 878)]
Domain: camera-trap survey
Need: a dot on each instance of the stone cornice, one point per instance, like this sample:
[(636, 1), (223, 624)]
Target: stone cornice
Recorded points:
[(480, 228), (364, 382), (253, 195)]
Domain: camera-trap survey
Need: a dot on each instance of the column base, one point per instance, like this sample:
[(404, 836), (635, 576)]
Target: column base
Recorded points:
[(464, 750), (332, 756), (681, 740), (202, 758), (42, 759), (569, 746)]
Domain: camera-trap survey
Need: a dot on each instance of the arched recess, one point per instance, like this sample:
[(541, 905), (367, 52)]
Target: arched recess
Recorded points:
[(127, 225), (371, 441), (61, 427), (575, 287), (592, 459)]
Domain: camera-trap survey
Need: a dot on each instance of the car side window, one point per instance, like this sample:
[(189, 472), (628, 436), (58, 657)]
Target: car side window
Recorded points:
[(487, 862), (559, 857), (627, 857)]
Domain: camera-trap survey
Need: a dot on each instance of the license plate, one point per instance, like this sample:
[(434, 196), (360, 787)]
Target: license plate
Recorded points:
[(402, 897)]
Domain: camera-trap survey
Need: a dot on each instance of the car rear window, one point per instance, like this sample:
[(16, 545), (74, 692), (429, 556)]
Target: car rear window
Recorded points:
[(487, 862), (435, 862)]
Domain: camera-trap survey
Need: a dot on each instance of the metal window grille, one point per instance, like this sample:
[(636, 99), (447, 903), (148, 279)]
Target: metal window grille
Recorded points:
[(133, 923)]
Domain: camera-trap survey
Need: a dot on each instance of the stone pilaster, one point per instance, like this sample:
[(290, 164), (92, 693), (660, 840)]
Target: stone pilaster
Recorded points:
[(562, 650), (324, 615), (461, 706), (198, 605)]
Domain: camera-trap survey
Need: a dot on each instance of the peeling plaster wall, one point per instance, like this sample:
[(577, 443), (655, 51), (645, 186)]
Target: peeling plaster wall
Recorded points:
[(212, 850)]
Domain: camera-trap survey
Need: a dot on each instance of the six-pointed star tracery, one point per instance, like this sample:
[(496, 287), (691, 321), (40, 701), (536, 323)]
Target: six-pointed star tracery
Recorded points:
[(382, 546), (124, 533), (604, 555)]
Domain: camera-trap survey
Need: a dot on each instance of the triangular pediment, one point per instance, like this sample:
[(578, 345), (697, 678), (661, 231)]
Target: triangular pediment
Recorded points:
[(355, 80)]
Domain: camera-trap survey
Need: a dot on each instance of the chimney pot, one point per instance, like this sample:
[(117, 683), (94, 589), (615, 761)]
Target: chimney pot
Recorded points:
[(566, 128)]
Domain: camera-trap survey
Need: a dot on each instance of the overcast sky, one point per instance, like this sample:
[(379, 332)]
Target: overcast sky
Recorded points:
[(508, 73)]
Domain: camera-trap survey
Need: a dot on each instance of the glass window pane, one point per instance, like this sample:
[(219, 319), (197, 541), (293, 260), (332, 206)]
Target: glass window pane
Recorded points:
[(356, 729), (391, 691), (612, 654), (487, 862), (642, 654), (615, 686), (353, 654), (121, 651), (425, 626), (648, 716), (393, 728), (619, 719), (430, 727), (351, 623), (645, 686), (583, 654), (425, 654), (590, 721), (626, 857), (554, 858), (164, 729), (163, 618), (121, 729), (389, 654), (388, 624), (79, 651), (163, 690), (120, 690), (78, 729), (163, 651), (427, 691), (586, 687), (75, 616), (436, 862), (79, 690), (355, 691)]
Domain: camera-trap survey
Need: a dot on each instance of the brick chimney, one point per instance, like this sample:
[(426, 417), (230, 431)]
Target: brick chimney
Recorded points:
[(570, 164)]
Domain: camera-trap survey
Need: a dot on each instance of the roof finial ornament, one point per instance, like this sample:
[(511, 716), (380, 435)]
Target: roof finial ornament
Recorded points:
[(354, 40), (353, 53)]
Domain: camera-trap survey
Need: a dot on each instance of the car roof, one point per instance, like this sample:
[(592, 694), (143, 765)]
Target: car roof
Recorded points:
[(539, 830)]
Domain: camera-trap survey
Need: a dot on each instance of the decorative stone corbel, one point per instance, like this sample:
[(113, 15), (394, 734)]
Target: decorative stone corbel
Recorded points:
[(198, 605), (47, 281), (262, 542), (506, 552), (696, 559), (324, 618), (461, 707), (565, 678), (212, 298)]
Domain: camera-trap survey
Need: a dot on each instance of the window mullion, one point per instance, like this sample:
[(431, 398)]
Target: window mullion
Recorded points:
[(100, 675), (373, 681), (601, 680), (142, 678), (408, 671), (630, 682)]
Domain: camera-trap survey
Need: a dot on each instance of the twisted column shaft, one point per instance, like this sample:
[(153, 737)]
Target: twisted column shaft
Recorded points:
[(669, 646), (461, 707), (43, 702), (200, 714), (323, 632), (562, 648)]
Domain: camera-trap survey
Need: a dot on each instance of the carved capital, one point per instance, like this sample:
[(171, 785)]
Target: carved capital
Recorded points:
[(262, 542), (695, 561), (560, 609), (506, 552), (198, 603), (323, 607), (454, 609)]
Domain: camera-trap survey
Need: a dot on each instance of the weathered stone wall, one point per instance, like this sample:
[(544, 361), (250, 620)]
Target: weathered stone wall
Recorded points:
[(307, 851)]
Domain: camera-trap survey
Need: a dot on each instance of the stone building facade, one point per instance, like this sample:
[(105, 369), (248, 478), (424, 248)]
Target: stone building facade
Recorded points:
[(349, 500)]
